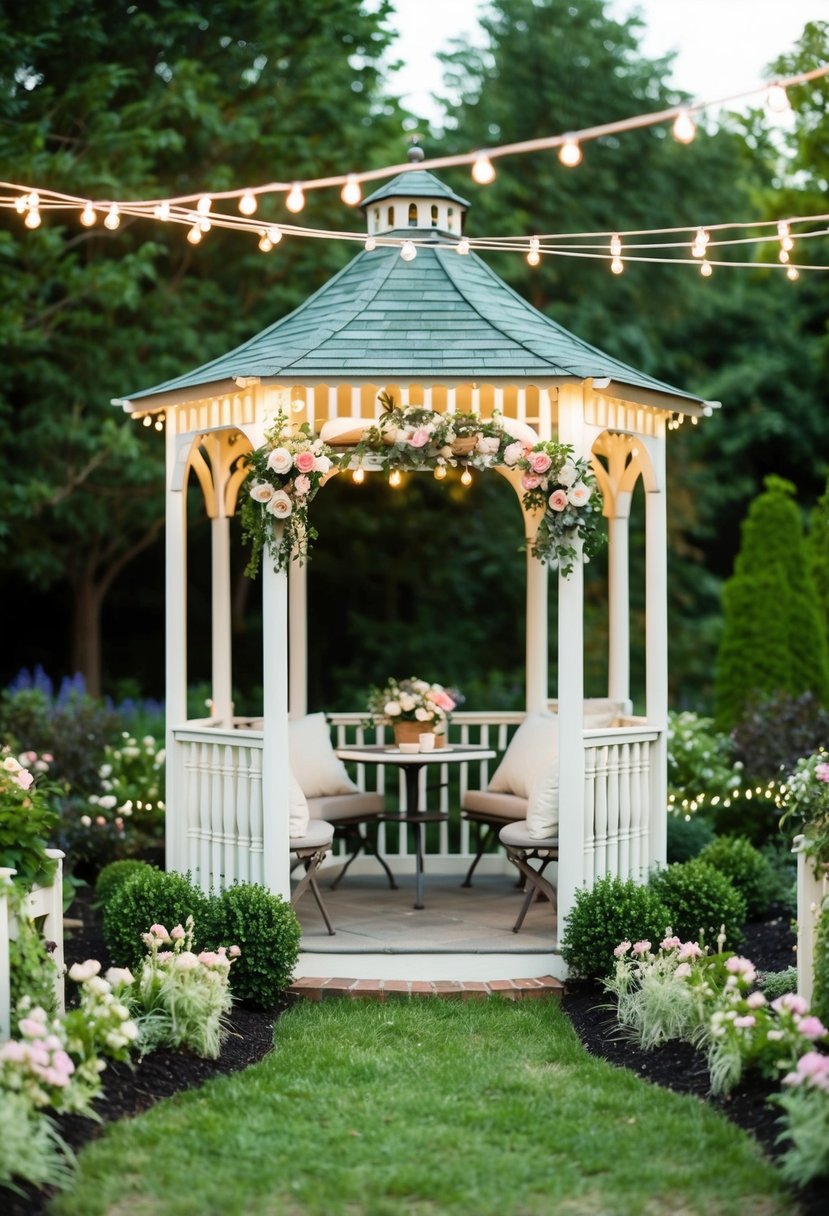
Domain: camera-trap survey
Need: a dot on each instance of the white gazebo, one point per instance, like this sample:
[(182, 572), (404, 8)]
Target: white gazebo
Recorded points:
[(437, 329)]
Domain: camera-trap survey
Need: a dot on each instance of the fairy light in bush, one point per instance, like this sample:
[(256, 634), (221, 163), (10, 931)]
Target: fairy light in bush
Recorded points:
[(295, 200), (440, 472), (684, 128), (483, 170), (466, 477), (570, 153), (777, 99), (351, 192)]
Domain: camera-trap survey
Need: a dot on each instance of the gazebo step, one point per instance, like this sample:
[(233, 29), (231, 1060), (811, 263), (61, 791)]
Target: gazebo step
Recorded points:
[(313, 989)]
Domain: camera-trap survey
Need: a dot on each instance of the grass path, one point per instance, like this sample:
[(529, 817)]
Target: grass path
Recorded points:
[(425, 1107)]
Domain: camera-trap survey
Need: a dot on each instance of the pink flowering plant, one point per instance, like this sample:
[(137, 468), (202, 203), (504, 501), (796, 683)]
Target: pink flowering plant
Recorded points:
[(181, 999), (567, 493), (805, 1103), (283, 478), (657, 990), (412, 700), (28, 817), (804, 797)]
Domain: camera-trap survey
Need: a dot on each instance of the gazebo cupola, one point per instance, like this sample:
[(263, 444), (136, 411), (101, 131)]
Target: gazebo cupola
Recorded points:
[(415, 199)]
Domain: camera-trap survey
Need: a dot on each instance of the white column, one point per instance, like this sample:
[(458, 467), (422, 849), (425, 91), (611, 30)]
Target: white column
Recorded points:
[(618, 595), (176, 649), (656, 649), (275, 763), (298, 639), (222, 694), (6, 875), (537, 643), (571, 866)]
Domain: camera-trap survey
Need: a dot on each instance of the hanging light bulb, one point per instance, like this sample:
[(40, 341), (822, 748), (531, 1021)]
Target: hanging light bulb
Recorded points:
[(706, 269), (700, 243), (440, 472), (162, 211), (21, 203), (358, 476), (194, 235), (483, 170), (205, 226), (684, 128), (147, 420), (247, 203), (570, 152), (783, 228), (32, 219), (297, 405), (617, 265), (616, 245), (296, 199), (159, 426), (395, 479), (777, 99), (466, 478), (783, 256), (408, 252), (265, 243), (370, 244), (351, 192), (462, 246), (534, 257), (274, 234), (204, 204), (113, 218), (792, 273), (88, 216)]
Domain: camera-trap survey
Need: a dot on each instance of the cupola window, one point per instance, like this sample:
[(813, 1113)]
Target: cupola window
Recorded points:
[(434, 215), (412, 215)]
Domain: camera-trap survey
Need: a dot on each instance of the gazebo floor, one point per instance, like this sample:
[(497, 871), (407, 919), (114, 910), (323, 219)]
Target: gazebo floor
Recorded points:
[(462, 934)]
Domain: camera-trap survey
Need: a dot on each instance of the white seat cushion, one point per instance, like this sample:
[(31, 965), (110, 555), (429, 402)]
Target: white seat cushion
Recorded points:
[(499, 806), (313, 760), (532, 748), (517, 835), (334, 807), (317, 834), (342, 432)]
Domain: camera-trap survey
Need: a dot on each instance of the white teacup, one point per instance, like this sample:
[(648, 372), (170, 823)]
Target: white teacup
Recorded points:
[(427, 741), (409, 749)]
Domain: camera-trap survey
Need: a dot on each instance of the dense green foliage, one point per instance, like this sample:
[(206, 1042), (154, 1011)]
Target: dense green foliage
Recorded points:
[(32, 970), (687, 837), (776, 731), (774, 640), (820, 975), (113, 877), (701, 902), (745, 867), (612, 911), (148, 898), (266, 930)]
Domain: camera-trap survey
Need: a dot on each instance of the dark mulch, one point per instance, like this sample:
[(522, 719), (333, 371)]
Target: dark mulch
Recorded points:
[(678, 1066), (129, 1090)]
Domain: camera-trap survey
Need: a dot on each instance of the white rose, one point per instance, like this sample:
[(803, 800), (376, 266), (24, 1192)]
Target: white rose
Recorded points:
[(578, 494), (11, 765), (116, 976), (424, 715), (568, 473), (392, 709), (513, 453), (488, 445), (108, 802), (401, 434), (280, 460), (80, 972), (322, 464), (407, 702), (261, 491), (280, 505)]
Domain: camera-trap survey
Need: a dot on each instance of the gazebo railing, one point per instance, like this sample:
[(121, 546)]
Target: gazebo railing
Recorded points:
[(215, 818)]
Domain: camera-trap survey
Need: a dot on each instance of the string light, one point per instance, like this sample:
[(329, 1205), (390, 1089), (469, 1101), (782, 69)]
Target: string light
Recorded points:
[(162, 211), (466, 478), (112, 219), (88, 216), (706, 269), (296, 199), (204, 205), (351, 192), (408, 252), (265, 243), (358, 476), (205, 225), (792, 273), (617, 265), (247, 203), (483, 170), (534, 257), (21, 203), (783, 256), (777, 99), (570, 152), (462, 246), (371, 244), (684, 128), (440, 472), (32, 219), (194, 235), (395, 479), (147, 420), (701, 239), (616, 245)]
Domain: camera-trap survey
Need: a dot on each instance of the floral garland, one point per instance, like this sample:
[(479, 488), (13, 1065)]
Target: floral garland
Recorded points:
[(567, 492), (285, 474)]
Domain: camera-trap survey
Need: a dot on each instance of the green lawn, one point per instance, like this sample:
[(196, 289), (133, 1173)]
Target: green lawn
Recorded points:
[(426, 1107)]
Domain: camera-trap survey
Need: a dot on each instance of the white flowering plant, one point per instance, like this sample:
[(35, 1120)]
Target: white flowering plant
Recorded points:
[(28, 818), (284, 475), (567, 492), (804, 797), (181, 999), (132, 791), (412, 700)]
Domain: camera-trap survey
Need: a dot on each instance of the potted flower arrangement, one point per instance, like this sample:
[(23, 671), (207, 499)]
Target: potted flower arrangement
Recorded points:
[(566, 491), (284, 476), (805, 799), (413, 707)]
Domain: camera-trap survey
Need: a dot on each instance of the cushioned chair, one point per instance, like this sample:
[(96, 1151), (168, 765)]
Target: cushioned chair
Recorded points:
[(523, 848), (309, 850), (330, 793)]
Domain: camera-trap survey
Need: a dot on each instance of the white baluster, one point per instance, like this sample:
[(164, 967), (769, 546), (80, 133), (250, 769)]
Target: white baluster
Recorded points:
[(623, 753), (257, 829), (244, 773), (203, 872), (600, 857), (589, 813), (216, 825), (230, 835), (612, 779)]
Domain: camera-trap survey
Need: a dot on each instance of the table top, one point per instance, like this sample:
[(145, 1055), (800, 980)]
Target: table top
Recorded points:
[(382, 753)]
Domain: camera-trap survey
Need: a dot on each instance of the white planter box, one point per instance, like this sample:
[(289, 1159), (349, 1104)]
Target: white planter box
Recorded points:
[(812, 890), (42, 902)]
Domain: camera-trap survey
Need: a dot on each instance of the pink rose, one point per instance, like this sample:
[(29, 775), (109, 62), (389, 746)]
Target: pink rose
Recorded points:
[(530, 481), (557, 500), (822, 772), (641, 947), (440, 698), (811, 1028), (419, 438), (539, 462), (305, 461), (302, 484), (24, 778)]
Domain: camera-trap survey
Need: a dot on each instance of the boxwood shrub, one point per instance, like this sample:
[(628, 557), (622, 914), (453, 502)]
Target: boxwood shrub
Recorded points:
[(700, 900), (266, 930), (147, 898), (748, 871), (612, 911), (113, 876)]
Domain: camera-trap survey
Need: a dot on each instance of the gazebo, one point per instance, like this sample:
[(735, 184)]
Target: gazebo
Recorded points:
[(433, 327)]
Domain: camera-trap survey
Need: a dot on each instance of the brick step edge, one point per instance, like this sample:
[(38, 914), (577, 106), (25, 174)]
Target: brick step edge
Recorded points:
[(311, 989)]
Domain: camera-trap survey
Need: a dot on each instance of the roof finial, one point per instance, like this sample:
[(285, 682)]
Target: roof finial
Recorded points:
[(415, 152)]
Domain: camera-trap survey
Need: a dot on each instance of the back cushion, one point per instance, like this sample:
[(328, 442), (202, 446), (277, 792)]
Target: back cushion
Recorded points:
[(542, 813), (313, 761), (532, 749), (298, 813)]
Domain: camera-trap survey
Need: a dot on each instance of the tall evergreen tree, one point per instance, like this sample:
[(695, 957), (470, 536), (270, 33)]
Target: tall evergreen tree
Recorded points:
[(774, 640)]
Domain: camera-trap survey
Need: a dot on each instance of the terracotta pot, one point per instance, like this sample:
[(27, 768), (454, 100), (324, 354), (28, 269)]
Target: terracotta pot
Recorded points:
[(409, 732)]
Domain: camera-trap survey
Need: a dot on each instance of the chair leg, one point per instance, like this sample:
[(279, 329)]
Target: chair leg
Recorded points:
[(482, 840), (364, 844), (536, 884), (312, 860)]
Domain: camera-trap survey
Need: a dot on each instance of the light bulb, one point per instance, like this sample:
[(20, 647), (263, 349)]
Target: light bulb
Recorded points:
[(534, 257), (408, 252), (297, 405), (395, 478), (159, 426), (783, 256), (205, 225), (706, 269), (351, 192), (113, 219), (570, 153), (616, 245), (247, 203), (440, 472), (296, 199), (194, 235), (462, 246), (33, 200), (483, 171), (777, 99), (88, 216), (782, 228), (204, 204), (370, 244), (32, 219), (265, 243), (21, 203), (700, 243), (466, 478), (358, 476), (684, 128), (787, 243), (617, 265), (274, 234), (162, 211), (792, 273), (147, 420)]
